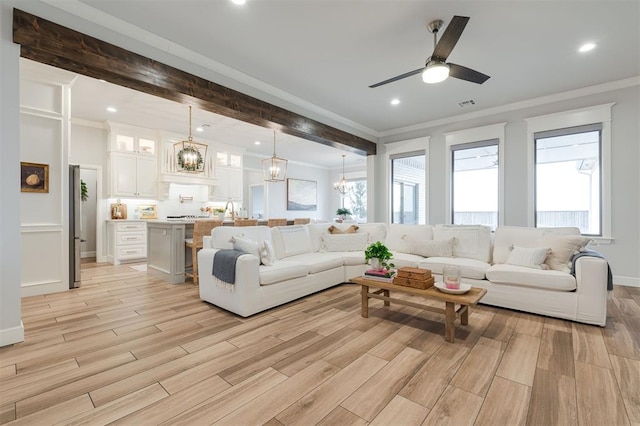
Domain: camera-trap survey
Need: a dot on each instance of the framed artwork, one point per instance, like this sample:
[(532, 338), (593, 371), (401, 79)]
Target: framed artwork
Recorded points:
[(302, 194), (34, 177), (148, 211)]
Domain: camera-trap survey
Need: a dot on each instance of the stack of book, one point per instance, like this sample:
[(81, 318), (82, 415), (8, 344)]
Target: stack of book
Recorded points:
[(384, 275), (414, 277)]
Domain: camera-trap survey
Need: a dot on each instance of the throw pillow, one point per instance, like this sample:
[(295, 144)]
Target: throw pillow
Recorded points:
[(345, 242), (350, 230), (246, 245), (529, 257), (267, 253), (563, 247), (430, 248)]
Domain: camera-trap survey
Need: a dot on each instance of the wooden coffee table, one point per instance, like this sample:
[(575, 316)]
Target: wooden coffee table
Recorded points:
[(466, 300)]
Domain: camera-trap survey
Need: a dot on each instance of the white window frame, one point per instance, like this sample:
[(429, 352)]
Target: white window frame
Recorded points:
[(394, 148), (573, 118), (476, 134)]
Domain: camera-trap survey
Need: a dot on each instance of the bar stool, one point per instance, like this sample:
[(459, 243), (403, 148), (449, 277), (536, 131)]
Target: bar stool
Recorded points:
[(200, 229), (245, 222), (301, 221), (276, 222)]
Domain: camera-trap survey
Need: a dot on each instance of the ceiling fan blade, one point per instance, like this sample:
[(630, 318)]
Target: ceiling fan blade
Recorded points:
[(398, 77), (464, 73), (450, 37)]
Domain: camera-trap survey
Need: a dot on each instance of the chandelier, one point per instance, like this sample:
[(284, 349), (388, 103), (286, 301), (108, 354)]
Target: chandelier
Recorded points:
[(190, 155), (341, 185), (274, 169)]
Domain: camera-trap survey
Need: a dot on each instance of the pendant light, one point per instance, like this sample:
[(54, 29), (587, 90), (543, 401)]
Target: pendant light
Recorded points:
[(274, 169), (190, 155), (341, 185)]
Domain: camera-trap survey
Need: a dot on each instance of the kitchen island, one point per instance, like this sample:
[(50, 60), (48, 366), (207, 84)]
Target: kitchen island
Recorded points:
[(166, 249)]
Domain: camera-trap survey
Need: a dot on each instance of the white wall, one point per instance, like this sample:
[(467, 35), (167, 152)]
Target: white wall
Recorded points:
[(11, 328), (275, 193), (624, 252)]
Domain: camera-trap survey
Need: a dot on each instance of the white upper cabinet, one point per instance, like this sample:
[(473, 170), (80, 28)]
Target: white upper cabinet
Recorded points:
[(132, 162)]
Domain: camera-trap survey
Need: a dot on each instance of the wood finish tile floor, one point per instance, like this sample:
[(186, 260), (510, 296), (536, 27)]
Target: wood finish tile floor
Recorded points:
[(128, 349)]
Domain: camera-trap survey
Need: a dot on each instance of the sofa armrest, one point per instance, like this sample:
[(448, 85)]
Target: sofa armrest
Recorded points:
[(245, 290), (207, 242), (591, 280)]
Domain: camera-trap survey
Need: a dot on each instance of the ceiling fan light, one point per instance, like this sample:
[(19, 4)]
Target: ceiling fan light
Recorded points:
[(435, 72)]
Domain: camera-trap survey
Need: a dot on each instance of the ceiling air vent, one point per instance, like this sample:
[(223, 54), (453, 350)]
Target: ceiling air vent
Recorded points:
[(466, 103)]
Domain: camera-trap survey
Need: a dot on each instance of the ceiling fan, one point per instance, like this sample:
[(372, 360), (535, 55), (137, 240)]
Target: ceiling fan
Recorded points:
[(437, 69)]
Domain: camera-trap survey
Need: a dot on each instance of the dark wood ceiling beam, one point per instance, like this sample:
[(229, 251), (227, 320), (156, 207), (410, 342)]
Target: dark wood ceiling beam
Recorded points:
[(52, 44)]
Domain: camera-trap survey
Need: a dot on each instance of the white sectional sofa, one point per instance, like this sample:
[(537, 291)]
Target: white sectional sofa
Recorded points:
[(309, 259)]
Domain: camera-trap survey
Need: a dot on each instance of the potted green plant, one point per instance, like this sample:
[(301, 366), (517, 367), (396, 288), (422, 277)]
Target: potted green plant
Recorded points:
[(343, 213), (379, 256)]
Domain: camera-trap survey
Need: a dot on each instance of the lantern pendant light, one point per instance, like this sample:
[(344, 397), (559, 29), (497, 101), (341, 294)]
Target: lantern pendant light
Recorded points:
[(191, 156), (274, 169)]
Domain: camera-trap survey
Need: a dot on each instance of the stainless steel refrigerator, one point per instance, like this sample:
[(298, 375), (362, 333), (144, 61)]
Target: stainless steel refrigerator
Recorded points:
[(75, 225)]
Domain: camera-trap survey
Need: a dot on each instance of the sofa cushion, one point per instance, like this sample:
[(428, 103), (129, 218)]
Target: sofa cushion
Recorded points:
[(318, 262), (267, 253), (220, 235), (529, 277), (528, 256), (345, 242), (428, 248), (402, 238), (246, 245), (563, 247), (472, 241), (291, 240), (352, 258), (376, 231), (281, 270), (469, 268), (508, 236), (406, 259)]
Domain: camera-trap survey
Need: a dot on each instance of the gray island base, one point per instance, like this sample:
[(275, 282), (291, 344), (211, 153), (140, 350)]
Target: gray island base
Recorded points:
[(166, 250)]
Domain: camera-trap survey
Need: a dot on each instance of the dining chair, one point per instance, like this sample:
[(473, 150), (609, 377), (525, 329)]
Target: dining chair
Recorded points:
[(245, 222), (200, 229), (276, 222)]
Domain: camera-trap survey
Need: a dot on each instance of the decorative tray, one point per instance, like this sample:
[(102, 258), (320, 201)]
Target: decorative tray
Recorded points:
[(462, 290)]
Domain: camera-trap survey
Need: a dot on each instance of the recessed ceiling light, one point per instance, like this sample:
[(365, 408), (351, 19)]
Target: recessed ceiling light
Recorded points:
[(395, 101), (257, 143), (199, 129), (239, 1), (112, 109), (102, 80), (587, 47)]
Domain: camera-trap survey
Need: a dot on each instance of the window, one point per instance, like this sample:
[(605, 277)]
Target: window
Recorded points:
[(570, 170), (568, 178), (475, 183), (355, 199), (408, 173)]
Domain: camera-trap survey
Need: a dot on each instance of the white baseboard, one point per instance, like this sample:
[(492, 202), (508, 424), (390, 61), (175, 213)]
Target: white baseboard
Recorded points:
[(86, 254), (626, 281), (42, 287), (13, 335)]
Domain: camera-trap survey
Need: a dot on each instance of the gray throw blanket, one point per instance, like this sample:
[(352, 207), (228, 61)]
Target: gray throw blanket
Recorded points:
[(224, 265), (592, 254)]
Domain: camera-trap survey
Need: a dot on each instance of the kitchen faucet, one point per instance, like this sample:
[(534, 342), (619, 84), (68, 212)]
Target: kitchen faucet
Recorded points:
[(233, 211)]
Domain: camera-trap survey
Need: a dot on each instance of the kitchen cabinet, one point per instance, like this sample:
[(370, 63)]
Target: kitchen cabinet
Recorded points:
[(229, 177), (229, 184), (132, 162), (126, 241), (133, 176)]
